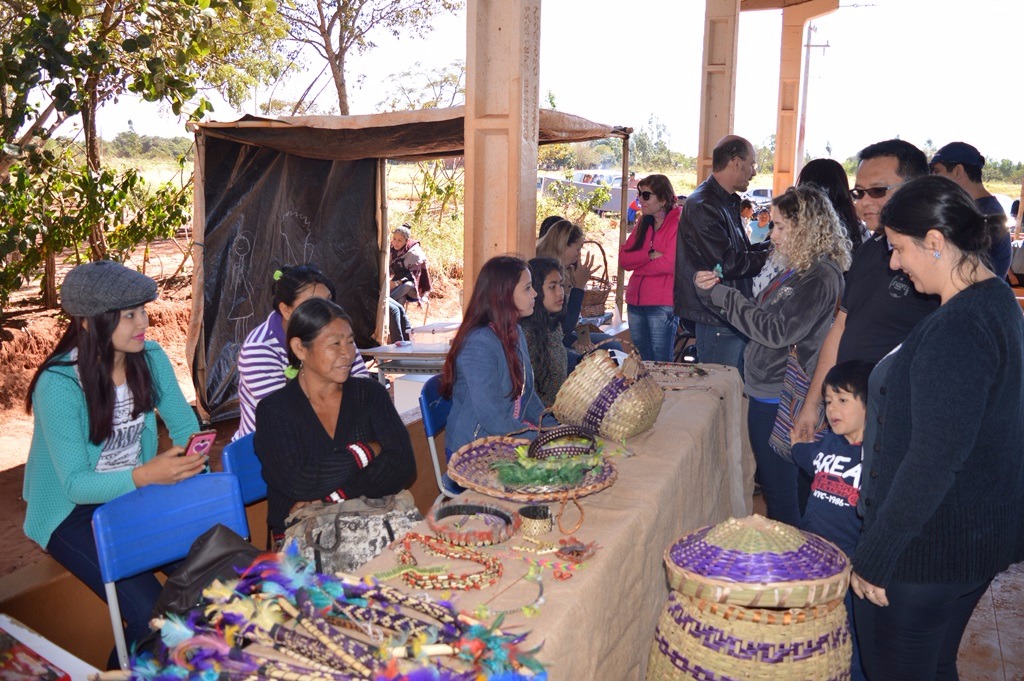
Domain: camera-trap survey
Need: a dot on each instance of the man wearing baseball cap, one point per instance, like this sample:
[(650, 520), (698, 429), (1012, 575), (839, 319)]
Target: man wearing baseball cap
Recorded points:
[(962, 163)]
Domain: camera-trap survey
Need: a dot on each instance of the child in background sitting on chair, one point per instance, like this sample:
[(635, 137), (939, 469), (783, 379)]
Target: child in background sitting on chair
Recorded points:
[(835, 466)]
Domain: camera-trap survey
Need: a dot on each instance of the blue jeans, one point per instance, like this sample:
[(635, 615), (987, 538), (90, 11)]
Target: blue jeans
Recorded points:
[(73, 546), (720, 345), (652, 328), (777, 476), (918, 635)]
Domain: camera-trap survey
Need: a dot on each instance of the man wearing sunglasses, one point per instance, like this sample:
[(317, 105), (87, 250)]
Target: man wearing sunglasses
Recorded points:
[(879, 306), (962, 163), (712, 236)]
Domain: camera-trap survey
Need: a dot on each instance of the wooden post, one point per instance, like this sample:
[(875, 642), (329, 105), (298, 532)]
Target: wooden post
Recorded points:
[(718, 80), (502, 122), (794, 18)]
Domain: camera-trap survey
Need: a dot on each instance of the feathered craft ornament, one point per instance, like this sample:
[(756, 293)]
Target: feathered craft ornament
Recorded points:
[(282, 620)]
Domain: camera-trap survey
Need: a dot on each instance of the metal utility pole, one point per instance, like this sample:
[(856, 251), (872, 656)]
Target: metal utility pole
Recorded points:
[(803, 98)]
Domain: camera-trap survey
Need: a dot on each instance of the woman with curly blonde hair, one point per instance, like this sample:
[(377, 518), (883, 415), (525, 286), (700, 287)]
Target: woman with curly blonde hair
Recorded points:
[(794, 310)]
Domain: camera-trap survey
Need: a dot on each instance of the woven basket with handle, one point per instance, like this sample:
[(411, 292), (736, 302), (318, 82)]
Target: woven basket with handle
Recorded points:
[(612, 401), (595, 296)]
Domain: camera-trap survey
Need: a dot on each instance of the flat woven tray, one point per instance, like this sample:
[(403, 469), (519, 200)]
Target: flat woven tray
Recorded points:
[(756, 562), (471, 467)]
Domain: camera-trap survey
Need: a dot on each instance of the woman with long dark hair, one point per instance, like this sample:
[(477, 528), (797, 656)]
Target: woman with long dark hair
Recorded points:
[(264, 355), (328, 434), (487, 372), (942, 488), (830, 177), (650, 253), (543, 331), (94, 401)]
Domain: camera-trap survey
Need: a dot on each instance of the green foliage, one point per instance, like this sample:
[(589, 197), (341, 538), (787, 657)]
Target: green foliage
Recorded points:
[(1003, 171), (570, 201), (131, 145), (648, 147), (764, 155), (52, 204)]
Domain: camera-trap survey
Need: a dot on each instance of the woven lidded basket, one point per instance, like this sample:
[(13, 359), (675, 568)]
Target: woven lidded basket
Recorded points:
[(612, 401), (696, 639), (756, 562)]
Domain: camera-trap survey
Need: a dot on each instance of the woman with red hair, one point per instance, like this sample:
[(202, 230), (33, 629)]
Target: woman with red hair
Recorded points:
[(487, 373)]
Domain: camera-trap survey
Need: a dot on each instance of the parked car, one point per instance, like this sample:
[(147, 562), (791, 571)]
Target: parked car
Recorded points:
[(759, 195)]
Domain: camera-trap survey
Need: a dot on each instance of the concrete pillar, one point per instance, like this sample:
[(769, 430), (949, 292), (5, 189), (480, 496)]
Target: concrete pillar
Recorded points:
[(502, 121), (718, 80), (794, 19)]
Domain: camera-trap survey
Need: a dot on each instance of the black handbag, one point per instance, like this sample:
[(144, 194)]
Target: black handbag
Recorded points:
[(219, 553)]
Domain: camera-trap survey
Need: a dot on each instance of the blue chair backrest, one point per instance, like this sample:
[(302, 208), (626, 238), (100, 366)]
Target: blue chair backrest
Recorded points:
[(156, 524), (433, 407), (239, 459)]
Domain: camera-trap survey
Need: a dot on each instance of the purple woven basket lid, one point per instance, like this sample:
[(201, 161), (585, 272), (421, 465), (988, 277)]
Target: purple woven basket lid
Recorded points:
[(757, 555), (814, 559)]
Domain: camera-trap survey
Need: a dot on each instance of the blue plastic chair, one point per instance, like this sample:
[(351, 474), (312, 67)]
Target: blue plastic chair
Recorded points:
[(156, 525), (239, 459), (434, 410)]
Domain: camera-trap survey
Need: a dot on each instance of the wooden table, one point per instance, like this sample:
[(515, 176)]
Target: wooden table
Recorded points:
[(692, 469), (407, 358)]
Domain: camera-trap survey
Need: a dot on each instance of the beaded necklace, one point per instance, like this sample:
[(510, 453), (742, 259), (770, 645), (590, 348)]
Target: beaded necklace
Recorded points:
[(420, 579)]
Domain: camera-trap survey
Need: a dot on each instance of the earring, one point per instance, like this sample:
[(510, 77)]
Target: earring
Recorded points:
[(937, 254)]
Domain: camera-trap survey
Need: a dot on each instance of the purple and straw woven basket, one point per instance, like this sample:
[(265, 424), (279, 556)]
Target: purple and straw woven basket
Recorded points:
[(756, 562), (471, 467)]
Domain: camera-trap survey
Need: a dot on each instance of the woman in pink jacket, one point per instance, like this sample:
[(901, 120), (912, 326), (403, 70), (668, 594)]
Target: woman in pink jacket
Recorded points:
[(650, 254)]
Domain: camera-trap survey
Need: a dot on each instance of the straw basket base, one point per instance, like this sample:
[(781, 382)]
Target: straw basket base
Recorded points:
[(714, 642)]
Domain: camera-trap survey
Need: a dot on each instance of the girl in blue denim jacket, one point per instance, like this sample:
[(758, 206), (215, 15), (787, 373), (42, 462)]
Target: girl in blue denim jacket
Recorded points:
[(487, 373)]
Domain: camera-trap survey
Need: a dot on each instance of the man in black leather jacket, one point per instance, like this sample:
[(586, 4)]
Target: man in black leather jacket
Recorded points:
[(712, 235)]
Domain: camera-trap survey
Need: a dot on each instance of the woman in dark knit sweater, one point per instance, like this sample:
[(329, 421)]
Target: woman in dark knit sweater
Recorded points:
[(943, 479), (325, 435)]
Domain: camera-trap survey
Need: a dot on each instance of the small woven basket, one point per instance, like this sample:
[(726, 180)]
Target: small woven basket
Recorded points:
[(595, 296), (697, 639), (471, 467), (612, 401)]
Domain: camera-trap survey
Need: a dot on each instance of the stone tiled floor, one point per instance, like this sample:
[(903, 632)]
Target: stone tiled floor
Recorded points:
[(993, 645)]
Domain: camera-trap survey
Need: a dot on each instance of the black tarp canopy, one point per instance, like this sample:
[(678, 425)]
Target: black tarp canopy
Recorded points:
[(291, 190)]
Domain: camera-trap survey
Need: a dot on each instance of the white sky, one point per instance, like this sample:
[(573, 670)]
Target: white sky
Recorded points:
[(919, 69)]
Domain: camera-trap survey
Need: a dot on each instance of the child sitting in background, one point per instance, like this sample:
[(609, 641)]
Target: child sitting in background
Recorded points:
[(835, 465)]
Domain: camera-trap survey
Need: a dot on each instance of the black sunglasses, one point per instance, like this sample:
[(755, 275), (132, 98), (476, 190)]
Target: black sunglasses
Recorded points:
[(646, 196), (873, 192)]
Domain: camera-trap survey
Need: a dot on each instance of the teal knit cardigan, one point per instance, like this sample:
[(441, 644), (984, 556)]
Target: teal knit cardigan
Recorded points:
[(61, 468)]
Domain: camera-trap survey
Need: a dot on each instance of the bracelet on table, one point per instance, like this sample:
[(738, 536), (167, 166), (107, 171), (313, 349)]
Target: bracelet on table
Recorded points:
[(420, 579), (535, 520), (539, 547), (502, 524)]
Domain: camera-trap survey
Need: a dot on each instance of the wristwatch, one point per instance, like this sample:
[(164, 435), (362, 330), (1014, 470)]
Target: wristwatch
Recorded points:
[(651, 252)]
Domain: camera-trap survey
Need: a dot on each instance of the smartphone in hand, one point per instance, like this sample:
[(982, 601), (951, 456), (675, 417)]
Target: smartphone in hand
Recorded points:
[(200, 443)]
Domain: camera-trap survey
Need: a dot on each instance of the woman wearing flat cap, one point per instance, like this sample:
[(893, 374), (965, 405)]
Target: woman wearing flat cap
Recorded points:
[(94, 435)]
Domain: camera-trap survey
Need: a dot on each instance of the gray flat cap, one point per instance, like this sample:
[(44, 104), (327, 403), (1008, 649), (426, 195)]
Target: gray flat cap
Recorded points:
[(102, 286)]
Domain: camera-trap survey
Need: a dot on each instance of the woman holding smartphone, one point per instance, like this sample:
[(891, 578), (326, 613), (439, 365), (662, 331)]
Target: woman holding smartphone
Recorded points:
[(94, 434)]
